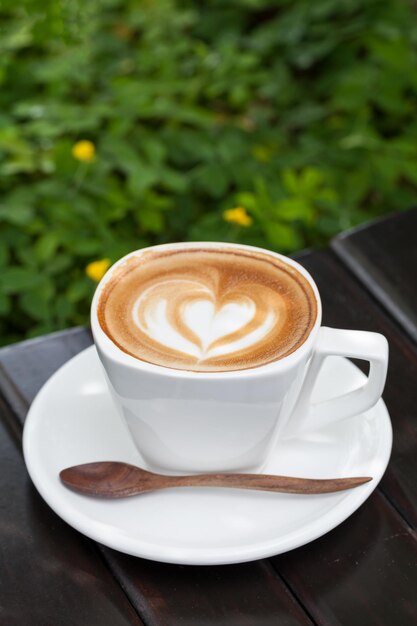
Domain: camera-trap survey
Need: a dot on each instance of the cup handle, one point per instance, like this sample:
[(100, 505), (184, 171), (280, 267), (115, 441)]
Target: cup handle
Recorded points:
[(358, 344)]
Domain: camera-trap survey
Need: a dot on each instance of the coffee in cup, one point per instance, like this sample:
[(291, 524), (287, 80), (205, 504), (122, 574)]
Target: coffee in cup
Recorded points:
[(207, 309)]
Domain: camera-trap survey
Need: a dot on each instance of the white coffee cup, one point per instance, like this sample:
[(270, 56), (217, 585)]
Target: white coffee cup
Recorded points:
[(184, 421)]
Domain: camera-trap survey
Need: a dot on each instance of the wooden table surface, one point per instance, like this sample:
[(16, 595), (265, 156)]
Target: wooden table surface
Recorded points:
[(364, 572)]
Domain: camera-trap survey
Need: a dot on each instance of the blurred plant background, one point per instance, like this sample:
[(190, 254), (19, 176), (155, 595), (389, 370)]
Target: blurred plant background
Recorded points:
[(128, 123)]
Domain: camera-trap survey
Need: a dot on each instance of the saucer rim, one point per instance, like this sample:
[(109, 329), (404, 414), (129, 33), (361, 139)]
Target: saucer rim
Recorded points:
[(202, 556)]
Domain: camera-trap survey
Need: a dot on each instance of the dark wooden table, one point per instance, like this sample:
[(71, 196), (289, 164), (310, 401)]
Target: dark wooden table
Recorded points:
[(362, 573)]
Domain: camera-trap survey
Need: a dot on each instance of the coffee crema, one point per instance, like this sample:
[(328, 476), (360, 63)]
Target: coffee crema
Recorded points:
[(213, 309)]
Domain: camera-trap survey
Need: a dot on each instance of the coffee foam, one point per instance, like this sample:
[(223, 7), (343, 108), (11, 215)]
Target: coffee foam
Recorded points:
[(207, 309)]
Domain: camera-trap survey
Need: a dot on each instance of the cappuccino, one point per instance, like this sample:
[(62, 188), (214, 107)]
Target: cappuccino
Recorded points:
[(207, 309)]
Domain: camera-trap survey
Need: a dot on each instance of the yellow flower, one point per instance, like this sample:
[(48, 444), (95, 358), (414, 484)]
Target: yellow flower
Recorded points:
[(84, 150), (237, 215), (97, 269)]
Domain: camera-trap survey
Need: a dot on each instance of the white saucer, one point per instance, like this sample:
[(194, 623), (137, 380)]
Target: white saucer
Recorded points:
[(72, 420)]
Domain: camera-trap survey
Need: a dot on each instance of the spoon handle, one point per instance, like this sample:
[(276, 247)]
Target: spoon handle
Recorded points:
[(267, 482)]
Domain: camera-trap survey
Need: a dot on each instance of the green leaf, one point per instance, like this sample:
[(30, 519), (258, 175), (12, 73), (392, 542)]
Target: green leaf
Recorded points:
[(150, 219), (172, 180), (212, 179), (141, 175), (46, 246), (79, 289), (5, 304), (154, 149), (84, 246), (249, 201), (15, 214), (295, 209), (35, 305), (63, 309), (310, 179), (40, 329), (61, 263), (283, 237), (290, 181), (212, 227), (18, 279), (19, 36), (4, 254), (141, 179)]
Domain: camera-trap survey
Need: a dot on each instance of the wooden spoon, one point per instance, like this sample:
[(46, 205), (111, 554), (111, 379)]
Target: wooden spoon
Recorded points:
[(110, 479)]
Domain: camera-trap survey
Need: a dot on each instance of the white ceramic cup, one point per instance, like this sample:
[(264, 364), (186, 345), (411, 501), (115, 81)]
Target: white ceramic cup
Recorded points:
[(184, 421)]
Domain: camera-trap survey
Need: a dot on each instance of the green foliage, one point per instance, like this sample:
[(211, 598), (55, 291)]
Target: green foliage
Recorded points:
[(303, 113)]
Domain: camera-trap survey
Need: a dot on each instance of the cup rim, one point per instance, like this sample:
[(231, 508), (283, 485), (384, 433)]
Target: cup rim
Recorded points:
[(106, 346)]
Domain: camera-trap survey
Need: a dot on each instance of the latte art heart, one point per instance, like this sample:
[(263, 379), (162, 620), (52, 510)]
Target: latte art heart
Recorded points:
[(207, 309), (183, 315)]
